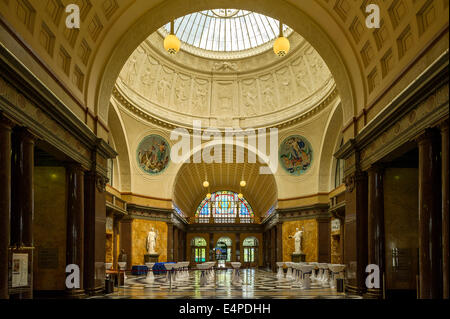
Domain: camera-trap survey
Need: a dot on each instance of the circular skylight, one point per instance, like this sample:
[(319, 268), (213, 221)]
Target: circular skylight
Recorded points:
[(226, 30)]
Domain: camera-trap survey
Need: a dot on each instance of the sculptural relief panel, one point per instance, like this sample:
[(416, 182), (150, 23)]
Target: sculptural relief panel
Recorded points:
[(249, 98), (268, 92), (182, 94), (224, 100), (286, 86), (200, 97), (226, 93)]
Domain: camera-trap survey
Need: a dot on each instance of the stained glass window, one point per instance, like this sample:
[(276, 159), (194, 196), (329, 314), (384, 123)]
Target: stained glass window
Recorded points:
[(224, 207), (198, 249)]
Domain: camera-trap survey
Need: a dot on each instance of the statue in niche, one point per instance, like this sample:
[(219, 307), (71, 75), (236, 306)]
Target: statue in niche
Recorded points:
[(249, 102), (268, 97), (199, 100), (298, 240), (151, 241), (164, 88)]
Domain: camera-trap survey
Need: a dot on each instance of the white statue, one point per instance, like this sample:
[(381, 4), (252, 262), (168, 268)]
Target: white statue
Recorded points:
[(298, 240), (151, 241)]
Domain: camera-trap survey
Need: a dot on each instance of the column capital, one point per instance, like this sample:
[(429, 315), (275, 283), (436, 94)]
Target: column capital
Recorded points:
[(6, 122), (73, 166), (428, 135), (377, 168), (443, 126)]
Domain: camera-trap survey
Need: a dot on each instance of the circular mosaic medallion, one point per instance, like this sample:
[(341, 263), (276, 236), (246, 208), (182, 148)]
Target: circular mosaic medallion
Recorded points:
[(153, 154), (296, 155)]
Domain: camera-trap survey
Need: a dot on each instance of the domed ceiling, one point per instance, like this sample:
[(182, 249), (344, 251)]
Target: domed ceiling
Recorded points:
[(240, 86), (226, 30)]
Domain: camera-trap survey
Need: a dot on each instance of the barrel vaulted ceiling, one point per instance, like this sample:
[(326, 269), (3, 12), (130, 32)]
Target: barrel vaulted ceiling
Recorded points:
[(260, 191)]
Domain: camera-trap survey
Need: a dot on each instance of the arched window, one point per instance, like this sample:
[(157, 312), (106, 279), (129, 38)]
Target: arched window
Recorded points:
[(226, 241), (198, 245), (224, 207), (339, 173), (250, 249)]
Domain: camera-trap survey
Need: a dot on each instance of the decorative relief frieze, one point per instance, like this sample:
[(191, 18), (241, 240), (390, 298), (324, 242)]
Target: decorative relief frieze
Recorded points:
[(225, 94)]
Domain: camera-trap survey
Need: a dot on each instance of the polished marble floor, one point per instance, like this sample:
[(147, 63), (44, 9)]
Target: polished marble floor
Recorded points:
[(256, 284)]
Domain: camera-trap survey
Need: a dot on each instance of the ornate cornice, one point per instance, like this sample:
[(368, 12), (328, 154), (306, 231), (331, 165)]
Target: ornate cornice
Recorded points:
[(26, 100), (129, 105), (421, 105)]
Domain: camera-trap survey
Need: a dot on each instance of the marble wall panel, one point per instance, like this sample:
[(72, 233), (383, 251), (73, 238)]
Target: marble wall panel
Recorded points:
[(309, 240), (139, 232), (49, 228)]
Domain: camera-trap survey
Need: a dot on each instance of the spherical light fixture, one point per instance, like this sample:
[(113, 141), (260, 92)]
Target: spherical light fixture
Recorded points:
[(171, 43), (205, 184), (243, 183), (282, 45), (208, 196), (240, 195)]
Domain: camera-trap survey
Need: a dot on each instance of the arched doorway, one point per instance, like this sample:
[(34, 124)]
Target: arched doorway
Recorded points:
[(250, 246), (228, 243), (198, 250)]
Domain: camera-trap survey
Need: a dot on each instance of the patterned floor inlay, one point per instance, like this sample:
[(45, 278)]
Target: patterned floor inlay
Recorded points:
[(256, 284)]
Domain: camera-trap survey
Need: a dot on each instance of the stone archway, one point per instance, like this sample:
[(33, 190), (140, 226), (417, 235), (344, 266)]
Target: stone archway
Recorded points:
[(310, 20)]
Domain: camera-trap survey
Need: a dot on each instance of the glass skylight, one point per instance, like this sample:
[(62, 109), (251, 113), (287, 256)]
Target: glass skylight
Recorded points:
[(226, 30)]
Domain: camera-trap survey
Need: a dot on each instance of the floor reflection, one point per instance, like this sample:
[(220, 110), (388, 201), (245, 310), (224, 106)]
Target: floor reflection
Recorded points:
[(255, 284)]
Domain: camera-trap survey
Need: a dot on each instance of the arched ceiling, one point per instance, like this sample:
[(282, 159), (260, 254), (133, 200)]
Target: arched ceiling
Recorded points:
[(188, 191), (256, 91), (87, 62)]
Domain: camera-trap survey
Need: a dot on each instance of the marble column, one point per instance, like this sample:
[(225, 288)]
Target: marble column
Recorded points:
[(125, 238), (429, 216), (169, 242), (355, 235), (279, 243), (238, 247), (116, 245), (324, 239), (5, 202), (445, 214), (75, 222), (176, 244), (375, 221), (94, 232), (22, 195), (273, 248), (211, 247)]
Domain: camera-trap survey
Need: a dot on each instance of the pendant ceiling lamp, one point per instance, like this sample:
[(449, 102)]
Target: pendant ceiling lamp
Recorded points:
[(171, 43), (282, 45)]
